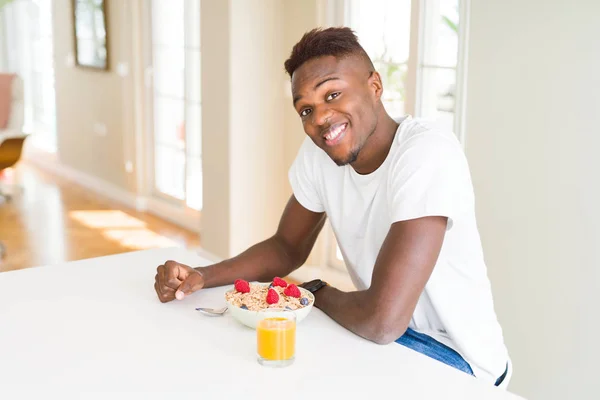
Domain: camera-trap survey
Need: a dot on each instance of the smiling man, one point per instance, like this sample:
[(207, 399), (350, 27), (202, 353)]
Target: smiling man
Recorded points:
[(399, 197)]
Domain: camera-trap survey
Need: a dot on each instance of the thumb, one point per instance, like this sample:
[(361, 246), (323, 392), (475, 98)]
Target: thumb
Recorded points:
[(192, 283)]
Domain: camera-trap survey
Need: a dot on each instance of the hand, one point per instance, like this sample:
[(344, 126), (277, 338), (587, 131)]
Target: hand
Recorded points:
[(175, 281)]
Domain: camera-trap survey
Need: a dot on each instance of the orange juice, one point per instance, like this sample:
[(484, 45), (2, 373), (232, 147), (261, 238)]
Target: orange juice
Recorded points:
[(276, 338)]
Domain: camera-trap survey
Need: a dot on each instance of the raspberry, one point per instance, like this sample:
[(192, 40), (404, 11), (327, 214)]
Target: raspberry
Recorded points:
[(277, 281), (242, 286), (272, 297), (292, 291)]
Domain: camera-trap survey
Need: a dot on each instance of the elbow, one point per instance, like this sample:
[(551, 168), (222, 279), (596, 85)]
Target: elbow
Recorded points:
[(386, 330), (384, 337)]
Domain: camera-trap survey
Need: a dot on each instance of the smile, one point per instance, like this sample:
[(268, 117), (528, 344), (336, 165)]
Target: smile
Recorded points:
[(334, 134)]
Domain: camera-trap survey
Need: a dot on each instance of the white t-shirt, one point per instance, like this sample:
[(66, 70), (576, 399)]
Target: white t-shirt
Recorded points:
[(425, 174)]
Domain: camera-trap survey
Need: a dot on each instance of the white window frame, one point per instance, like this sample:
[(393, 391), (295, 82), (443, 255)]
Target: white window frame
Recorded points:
[(20, 31), (337, 13), (186, 215)]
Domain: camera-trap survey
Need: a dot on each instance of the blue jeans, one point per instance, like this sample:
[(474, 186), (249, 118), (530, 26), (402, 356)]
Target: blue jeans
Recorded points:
[(438, 351), (432, 348)]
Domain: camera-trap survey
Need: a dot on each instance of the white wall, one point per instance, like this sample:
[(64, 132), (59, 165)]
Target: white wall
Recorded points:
[(86, 98), (257, 131), (243, 122), (533, 137), (214, 36)]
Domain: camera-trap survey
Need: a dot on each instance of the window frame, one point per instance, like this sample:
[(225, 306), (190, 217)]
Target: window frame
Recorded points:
[(20, 35), (338, 13), (151, 93)]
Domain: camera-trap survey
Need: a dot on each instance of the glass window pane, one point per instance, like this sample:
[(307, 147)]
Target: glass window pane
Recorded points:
[(28, 40), (88, 51), (192, 75), (42, 54), (383, 27), (193, 130), (438, 95), (441, 33), (167, 22), (169, 171), (45, 23), (169, 122), (194, 183), (177, 110), (169, 71), (393, 77), (192, 24)]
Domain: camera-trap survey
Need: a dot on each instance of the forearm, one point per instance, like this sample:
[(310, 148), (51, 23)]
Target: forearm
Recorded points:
[(359, 313), (261, 262)]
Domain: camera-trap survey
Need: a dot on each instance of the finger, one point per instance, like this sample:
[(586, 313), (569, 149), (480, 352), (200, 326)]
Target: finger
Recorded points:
[(183, 271), (167, 285), (156, 289), (160, 286), (193, 283), (167, 290), (160, 273), (173, 274), (163, 297)]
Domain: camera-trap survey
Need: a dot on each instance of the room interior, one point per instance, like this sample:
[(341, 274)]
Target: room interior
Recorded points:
[(172, 125)]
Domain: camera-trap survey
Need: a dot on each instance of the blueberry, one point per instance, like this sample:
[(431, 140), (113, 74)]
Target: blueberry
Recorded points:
[(271, 286), (243, 307), (304, 301), (288, 308)]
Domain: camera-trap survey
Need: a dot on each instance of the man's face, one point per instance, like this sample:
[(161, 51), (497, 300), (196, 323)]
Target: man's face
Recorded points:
[(336, 100)]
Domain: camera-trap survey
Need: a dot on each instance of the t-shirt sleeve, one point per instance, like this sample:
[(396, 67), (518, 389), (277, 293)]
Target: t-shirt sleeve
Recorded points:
[(430, 177), (303, 178)]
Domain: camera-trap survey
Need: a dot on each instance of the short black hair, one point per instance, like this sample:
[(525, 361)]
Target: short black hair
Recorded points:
[(338, 42)]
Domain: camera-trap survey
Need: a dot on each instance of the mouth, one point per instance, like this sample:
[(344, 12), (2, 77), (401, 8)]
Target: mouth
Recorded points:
[(335, 134)]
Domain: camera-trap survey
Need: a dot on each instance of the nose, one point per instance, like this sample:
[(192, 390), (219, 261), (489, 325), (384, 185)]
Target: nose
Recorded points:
[(321, 115)]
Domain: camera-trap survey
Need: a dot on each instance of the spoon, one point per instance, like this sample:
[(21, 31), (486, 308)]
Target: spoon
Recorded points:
[(212, 311)]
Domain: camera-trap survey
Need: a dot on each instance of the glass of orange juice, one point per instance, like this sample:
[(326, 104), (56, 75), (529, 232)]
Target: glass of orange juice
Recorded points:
[(276, 338)]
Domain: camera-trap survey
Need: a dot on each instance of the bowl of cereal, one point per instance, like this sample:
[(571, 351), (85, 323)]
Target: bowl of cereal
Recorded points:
[(247, 301)]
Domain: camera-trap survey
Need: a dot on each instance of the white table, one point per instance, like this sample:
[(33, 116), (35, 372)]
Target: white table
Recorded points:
[(94, 329)]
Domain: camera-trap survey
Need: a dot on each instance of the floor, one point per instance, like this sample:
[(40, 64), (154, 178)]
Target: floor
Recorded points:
[(51, 221)]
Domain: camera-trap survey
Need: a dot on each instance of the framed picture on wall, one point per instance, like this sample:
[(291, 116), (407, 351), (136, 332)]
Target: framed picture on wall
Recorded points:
[(89, 25)]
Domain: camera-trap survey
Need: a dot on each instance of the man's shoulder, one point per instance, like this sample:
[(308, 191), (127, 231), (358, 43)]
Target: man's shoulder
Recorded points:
[(423, 136), (424, 132), (422, 141)]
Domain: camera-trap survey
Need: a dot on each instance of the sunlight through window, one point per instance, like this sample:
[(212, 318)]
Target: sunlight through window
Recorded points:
[(106, 219), (123, 228), (138, 239)]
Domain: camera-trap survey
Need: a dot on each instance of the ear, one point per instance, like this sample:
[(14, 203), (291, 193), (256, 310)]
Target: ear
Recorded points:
[(375, 85)]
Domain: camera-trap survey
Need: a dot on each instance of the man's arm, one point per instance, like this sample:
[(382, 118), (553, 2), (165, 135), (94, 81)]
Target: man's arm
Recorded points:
[(405, 262), (279, 255)]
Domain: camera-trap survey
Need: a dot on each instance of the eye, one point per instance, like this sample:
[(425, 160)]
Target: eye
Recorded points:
[(305, 112), (333, 96)]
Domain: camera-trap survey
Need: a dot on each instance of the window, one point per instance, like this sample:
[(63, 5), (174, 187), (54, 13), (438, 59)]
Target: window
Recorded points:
[(415, 47), (176, 116), (27, 40), (418, 48), (383, 28)]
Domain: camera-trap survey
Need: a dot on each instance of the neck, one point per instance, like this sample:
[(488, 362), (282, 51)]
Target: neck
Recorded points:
[(377, 146)]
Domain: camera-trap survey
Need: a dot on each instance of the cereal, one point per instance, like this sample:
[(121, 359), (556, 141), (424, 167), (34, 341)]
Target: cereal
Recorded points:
[(256, 299)]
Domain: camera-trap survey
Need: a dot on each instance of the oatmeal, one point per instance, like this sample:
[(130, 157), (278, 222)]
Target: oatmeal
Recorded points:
[(256, 298)]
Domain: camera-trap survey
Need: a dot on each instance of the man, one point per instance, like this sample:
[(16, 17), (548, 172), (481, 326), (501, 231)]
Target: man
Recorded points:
[(400, 201)]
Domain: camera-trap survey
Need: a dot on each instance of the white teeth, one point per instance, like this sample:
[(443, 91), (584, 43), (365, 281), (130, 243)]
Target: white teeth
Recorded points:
[(334, 133)]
